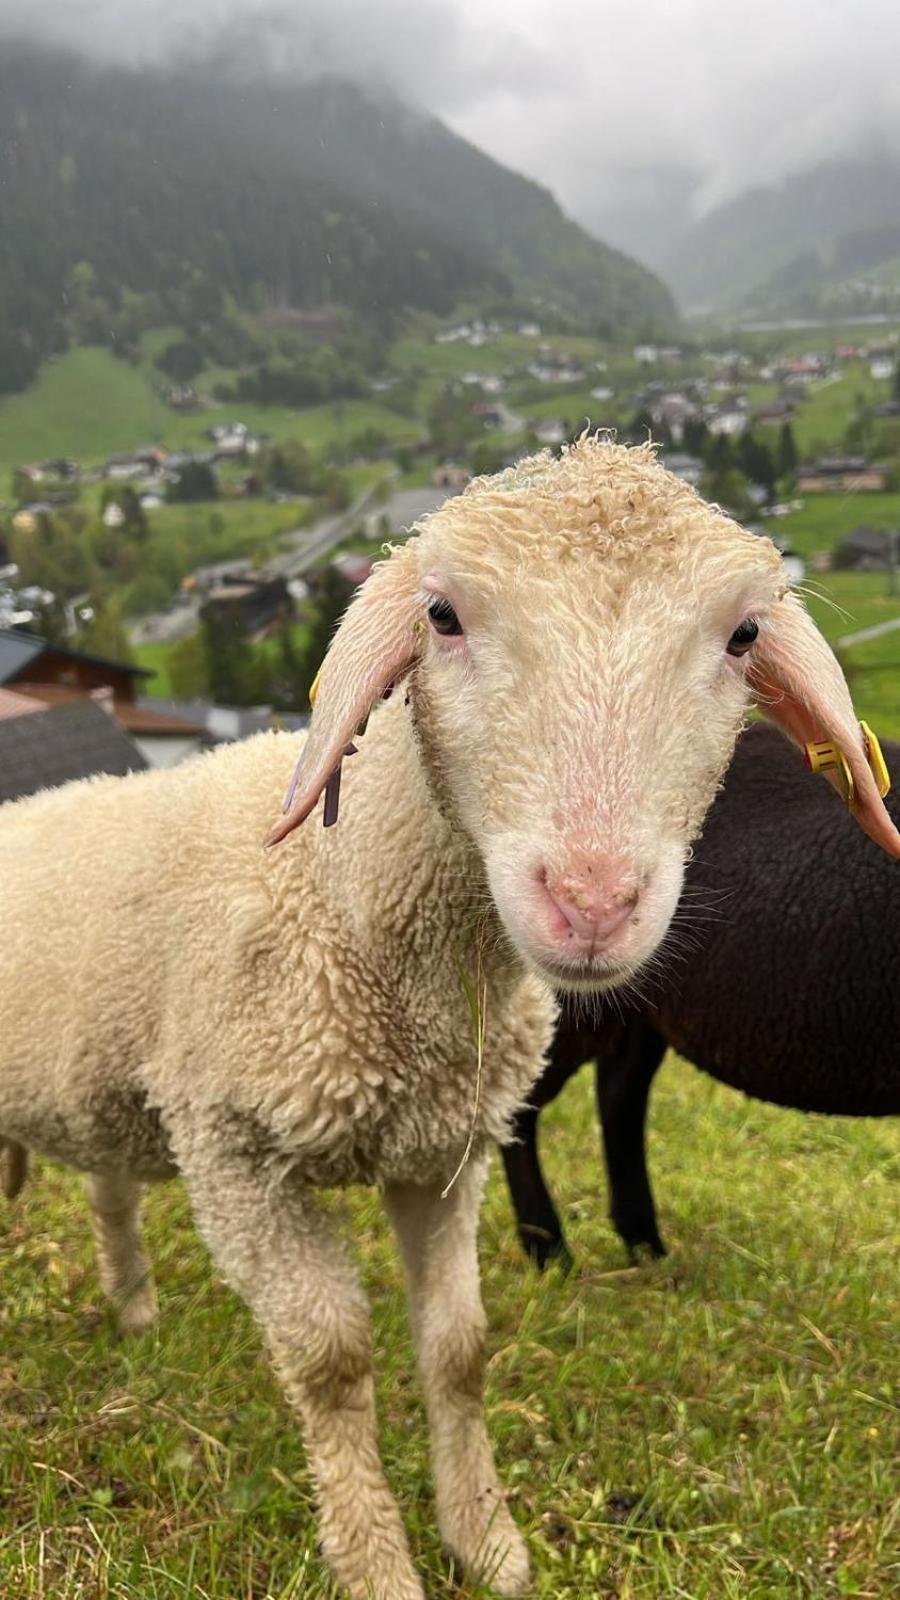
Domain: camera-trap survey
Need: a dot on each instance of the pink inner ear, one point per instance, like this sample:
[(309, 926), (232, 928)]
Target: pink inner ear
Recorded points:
[(336, 719)]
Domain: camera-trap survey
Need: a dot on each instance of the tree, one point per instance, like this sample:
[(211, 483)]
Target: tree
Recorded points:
[(756, 461), (181, 360), (188, 664), (718, 455), (195, 481), (134, 525), (328, 602), (786, 454), (105, 634), (235, 674), (289, 466), (896, 383), (728, 488), (695, 436)]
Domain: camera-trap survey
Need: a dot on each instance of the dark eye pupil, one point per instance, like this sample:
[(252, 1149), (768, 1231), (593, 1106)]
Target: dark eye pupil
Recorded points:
[(443, 617), (743, 637)]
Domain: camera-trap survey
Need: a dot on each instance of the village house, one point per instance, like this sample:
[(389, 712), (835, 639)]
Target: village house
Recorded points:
[(27, 518), (729, 420), (868, 549), (232, 439), (489, 413), (671, 411), (550, 431), (841, 475), (450, 475), (688, 467), (775, 411), (43, 746), (55, 675), (255, 601)]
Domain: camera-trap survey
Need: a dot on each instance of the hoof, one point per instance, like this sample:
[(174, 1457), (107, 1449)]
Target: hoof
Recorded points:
[(139, 1312), (490, 1549), (545, 1250)]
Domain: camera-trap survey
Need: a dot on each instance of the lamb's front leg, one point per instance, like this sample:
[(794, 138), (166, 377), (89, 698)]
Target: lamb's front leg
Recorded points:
[(438, 1241), (280, 1254)]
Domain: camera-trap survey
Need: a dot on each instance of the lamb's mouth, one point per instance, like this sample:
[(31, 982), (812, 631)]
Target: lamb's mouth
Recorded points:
[(585, 974)]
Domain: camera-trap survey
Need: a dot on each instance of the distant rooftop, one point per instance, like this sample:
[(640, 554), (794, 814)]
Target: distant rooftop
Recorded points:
[(52, 747), (18, 650)]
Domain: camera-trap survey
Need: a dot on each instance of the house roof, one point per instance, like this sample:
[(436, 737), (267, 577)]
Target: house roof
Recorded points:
[(874, 541), (17, 650), (135, 718), (55, 746), (17, 705)]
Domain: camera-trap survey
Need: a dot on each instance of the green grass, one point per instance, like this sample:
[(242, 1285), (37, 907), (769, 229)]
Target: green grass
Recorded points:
[(827, 518), (820, 422), (85, 404), (89, 405), (155, 657), (737, 1397)]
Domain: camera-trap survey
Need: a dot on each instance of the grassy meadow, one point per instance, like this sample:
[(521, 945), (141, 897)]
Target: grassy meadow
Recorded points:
[(720, 1424), (89, 405)]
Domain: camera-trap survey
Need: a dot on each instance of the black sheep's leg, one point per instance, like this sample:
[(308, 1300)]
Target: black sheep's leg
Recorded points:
[(624, 1076), (540, 1229)]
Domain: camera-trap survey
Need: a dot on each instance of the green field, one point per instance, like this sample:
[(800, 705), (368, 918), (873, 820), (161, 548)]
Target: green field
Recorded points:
[(827, 518), (720, 1426), (89, 405), (819, 422)]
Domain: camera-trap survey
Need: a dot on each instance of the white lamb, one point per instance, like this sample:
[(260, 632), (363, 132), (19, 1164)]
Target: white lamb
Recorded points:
[(572, 646)]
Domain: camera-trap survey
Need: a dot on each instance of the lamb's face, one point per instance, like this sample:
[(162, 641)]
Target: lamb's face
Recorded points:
[(582, 711), (586, 633)]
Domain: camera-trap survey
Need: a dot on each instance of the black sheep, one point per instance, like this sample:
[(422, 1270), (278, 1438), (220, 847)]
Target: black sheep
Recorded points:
[(788, 990)]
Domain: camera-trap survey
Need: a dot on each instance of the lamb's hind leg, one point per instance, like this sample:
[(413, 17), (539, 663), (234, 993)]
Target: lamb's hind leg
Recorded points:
[(438, 1241), (125, 1271)]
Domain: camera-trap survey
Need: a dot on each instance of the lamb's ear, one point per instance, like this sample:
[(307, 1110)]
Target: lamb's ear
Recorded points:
[(377, 641), (797, 683)]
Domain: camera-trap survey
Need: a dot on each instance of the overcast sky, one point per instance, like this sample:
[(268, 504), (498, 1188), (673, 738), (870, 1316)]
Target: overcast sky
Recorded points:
[(619, 109)]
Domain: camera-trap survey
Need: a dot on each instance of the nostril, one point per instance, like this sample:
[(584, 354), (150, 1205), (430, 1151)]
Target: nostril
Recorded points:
[(590, 911)]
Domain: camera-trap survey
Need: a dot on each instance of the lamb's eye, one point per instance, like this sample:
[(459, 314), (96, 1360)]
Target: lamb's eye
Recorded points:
[(443, 617), (743, 637)]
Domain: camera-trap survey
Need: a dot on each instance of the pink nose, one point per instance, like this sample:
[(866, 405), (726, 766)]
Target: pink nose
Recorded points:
[(593, 907)]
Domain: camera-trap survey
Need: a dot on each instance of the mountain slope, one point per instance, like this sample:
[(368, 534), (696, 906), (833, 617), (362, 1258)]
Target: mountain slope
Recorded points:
[(826, 215), (375, 146), (181, 186)]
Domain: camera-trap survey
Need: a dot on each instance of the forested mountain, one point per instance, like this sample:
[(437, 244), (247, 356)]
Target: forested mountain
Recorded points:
[(770, 247), (143, 196)]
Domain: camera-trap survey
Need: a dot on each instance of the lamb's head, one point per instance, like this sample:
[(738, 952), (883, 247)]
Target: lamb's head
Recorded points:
[(585, 635)]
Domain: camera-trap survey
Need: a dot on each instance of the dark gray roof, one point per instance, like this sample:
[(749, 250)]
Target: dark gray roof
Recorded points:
[(16, 651), (874, 541), (48, 748)]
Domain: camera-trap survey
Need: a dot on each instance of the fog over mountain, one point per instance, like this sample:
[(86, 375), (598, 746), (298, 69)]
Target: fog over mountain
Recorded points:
[(633, 116)]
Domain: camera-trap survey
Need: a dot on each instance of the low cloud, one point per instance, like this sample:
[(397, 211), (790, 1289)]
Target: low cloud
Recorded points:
[(627, 114)]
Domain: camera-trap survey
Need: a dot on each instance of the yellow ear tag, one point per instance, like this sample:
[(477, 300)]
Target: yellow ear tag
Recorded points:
[(314, 687), (875, 758), (822, 755)]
